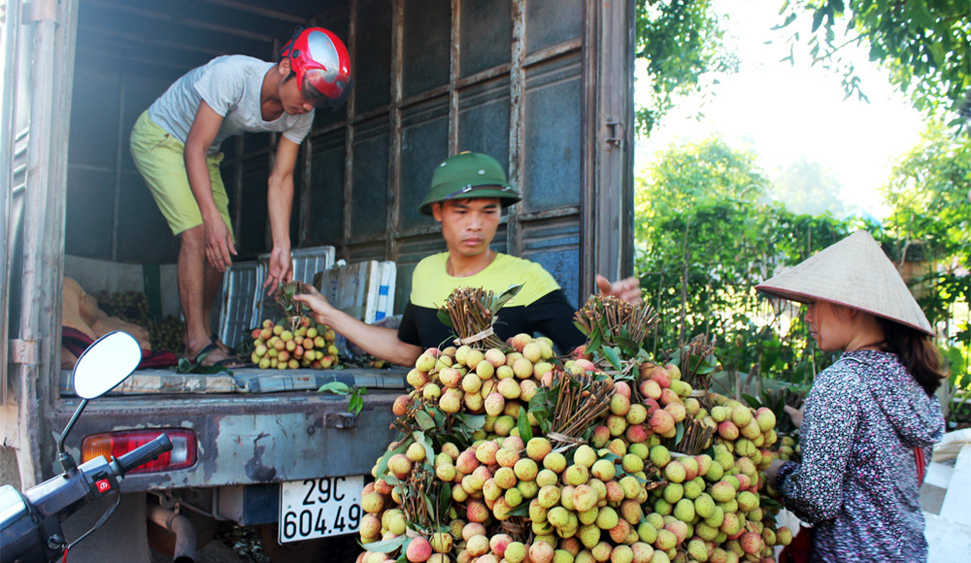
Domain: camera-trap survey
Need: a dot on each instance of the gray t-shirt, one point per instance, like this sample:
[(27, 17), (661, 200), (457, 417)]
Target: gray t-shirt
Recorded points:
[(231, 86)]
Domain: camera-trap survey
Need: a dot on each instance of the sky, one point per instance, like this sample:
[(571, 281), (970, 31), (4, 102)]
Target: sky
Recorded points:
[(781, 111)]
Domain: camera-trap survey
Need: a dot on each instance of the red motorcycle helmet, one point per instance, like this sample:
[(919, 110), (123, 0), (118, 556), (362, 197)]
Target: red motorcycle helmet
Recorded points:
[(322, 66)]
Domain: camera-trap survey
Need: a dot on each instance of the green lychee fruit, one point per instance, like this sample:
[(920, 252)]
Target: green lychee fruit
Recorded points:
[(660, 456), (684, 510), (673, 493), (674, 472)]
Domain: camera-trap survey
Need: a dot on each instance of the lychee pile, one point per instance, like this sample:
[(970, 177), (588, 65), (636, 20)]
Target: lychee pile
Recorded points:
[(507, 456), (300, 343)]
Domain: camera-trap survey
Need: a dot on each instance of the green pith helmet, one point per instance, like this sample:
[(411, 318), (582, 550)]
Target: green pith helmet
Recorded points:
[(468, 175)]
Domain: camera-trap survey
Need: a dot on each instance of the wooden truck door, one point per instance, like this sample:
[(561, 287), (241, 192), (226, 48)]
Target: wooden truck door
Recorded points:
[(544, 86)]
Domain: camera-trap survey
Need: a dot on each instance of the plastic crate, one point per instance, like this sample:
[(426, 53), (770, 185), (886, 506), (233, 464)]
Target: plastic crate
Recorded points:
[(241, 294), (363, 290), (244, 302)]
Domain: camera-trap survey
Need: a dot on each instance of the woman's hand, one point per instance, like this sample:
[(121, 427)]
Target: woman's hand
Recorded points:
[(796, 414)]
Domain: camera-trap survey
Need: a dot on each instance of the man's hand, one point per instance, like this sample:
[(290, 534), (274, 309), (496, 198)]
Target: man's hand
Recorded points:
[(796, 414), (317, 303), (219, 244), (628, 289), (280, 269)]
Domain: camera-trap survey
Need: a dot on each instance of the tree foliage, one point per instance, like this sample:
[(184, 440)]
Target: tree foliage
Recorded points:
[(678, 41), (809, 187), (925, 44), (706, 236), (928, 192)]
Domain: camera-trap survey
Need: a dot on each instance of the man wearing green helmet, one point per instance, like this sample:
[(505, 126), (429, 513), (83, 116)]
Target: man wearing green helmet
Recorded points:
[(467, 195)]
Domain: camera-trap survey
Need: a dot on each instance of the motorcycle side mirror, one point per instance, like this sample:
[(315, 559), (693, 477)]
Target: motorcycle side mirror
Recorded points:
[(106, 363)]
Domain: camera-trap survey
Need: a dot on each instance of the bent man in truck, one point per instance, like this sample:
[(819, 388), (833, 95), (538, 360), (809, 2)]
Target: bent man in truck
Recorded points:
[(467, 195), (175, 144)]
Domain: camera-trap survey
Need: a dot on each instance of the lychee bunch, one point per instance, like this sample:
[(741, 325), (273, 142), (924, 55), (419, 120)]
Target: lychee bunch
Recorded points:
[(305, 345)]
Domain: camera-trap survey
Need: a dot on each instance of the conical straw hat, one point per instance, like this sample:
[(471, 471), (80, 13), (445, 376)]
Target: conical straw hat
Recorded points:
[(853, 272)]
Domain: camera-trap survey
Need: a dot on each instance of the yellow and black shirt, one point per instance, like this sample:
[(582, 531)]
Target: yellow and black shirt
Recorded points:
[(540, 306)]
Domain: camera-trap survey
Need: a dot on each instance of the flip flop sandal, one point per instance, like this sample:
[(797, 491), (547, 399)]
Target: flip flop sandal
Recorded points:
[(229, 362), (214, 338)]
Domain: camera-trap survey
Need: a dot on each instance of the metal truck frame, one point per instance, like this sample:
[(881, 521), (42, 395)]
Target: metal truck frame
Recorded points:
[(545, 86)]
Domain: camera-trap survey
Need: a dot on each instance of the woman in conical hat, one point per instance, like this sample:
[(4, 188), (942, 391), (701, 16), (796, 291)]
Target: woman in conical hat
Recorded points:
[(872, 416)]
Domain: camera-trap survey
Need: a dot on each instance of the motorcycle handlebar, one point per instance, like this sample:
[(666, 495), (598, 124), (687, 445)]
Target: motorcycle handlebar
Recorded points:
[(143, 454)]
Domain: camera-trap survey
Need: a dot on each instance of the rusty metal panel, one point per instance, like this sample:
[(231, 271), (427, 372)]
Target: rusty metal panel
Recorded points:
[(243, 440), (90, 200), (424, 144), (549, 22), (372, 55), (92, 140), (427, 28), (369, 199), (327, 190), (485, 33), (553, 148), (363, 252), (608, 199), (250, 226), (141, 232), (555, 244), (484, 117)]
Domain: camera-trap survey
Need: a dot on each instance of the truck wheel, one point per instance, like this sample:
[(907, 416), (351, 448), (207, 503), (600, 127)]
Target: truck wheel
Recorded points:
[(310, 551)]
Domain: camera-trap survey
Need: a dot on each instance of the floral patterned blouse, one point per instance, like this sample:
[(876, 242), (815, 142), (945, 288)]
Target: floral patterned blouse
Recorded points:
[(857, 483)]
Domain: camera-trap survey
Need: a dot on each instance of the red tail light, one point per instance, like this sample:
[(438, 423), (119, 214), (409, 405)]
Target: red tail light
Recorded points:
[(182, 456)]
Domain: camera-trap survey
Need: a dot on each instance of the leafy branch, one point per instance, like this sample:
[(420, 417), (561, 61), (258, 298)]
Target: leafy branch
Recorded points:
[(356, 401)]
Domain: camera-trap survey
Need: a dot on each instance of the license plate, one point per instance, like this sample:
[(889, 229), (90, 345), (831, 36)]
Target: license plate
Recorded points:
[(318, 508)]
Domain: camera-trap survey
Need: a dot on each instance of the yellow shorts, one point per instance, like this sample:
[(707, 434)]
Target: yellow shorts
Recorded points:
[(158, 156)]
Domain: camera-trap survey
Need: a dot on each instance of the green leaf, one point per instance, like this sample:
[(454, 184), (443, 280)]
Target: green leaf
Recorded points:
[(444, 498), (335, 387), (424, 420), (439, 417), (680, 433), (593, 344), (768, 502), (525, 431), (521, 510), (387, 546), (427, 443), (473, 421), (752, 401), (582, 328), (355, 404), (611, 355), (445, 319), (629, 347), (506, 296)]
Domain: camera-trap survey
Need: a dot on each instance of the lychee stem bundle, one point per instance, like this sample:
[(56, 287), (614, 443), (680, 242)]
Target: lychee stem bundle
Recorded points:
[(471, 312), (609, 320), (696, 438), (420, 495), (580, 401), (284, 298)]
